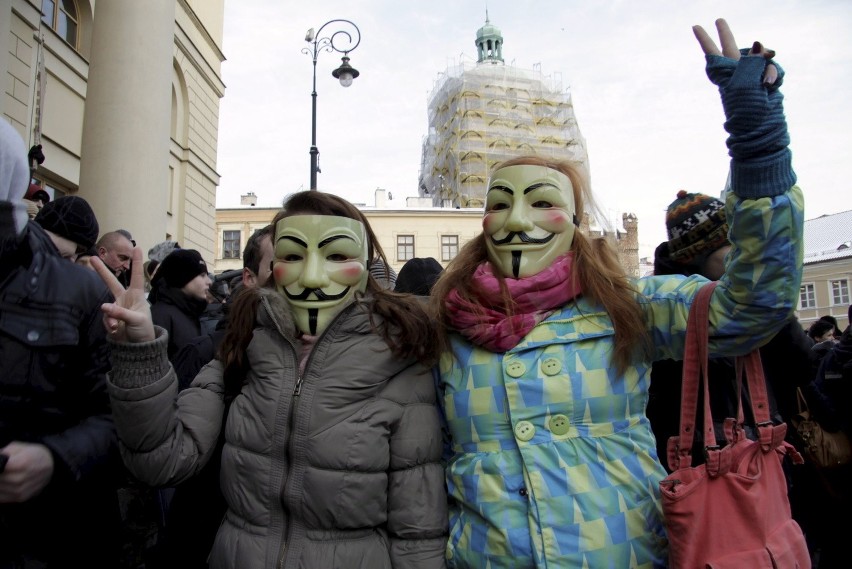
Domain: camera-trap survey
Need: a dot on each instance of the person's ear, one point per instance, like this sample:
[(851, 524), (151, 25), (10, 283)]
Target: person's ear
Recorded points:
[(249, 278)]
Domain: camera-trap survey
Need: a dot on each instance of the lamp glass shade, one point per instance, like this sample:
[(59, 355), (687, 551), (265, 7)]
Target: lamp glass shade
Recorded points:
[(346, 78)]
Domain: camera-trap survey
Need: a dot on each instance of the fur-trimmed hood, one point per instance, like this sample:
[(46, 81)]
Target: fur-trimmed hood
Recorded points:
[(274, 312)]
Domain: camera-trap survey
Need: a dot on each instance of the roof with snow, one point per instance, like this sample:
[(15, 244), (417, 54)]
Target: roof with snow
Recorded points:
[(828, 237)]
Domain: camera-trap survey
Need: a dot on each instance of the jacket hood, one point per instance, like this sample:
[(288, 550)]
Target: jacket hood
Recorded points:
[(273, 311)]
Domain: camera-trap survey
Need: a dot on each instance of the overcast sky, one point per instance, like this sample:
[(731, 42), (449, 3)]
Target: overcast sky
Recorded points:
[(651, 119)]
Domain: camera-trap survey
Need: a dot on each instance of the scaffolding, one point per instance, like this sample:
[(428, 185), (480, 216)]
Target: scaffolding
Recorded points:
[(483, 113)]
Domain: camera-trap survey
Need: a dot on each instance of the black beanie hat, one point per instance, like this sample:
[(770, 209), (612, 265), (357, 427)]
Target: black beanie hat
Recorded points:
[(418, 275), (696, 225), (70, 217), (179, 267)]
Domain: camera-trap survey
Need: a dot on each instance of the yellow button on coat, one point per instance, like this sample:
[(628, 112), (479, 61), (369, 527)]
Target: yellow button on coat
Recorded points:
[(516, 368), (524, 430), (558, 424), (551, 366)]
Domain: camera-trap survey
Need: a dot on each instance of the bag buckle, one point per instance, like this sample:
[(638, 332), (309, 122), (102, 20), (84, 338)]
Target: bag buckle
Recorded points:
[(709, 448)]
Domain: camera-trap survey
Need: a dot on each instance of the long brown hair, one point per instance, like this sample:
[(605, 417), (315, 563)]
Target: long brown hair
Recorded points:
[(596, 268), (403, 322)]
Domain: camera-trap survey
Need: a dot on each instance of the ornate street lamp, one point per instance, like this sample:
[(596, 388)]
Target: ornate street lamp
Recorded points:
[(347, 37)]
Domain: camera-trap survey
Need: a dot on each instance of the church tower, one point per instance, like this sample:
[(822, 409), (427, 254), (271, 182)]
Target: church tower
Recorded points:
[(489, 43), (483, 112)]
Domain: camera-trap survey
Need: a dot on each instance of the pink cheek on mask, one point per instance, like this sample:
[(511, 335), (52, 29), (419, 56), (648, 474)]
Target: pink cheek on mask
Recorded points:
[(353, 273), (558, 217), (489, 225), (278, 273)]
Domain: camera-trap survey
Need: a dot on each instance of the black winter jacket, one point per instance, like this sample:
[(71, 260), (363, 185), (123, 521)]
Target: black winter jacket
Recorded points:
[(177, 313), (54, 359)]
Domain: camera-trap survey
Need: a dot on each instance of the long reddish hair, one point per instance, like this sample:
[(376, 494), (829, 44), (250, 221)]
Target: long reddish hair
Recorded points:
[(596, 264)]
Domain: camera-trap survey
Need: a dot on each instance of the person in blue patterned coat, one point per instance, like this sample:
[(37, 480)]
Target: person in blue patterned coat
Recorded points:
[(548, 345)]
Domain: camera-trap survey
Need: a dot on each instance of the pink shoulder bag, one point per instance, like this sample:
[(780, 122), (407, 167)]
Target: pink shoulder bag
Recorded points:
[(733, 511)]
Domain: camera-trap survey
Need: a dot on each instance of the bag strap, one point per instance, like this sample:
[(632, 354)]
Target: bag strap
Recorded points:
[(770, 435), (694, 368), (801, 402), (696, 376)]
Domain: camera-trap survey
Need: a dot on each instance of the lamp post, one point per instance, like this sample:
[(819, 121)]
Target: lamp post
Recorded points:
[(348, 36)]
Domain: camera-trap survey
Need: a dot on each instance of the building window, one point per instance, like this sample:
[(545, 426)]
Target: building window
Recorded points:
[(404, 247), (807, 296), (61, 15), (230, 244), (449, 247), (840, 292)]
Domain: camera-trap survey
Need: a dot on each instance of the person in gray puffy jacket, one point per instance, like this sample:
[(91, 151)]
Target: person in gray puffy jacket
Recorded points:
[(323, 393)]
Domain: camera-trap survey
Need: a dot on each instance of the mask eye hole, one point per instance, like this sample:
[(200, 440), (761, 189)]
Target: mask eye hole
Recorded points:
[(542, 204), (292, 258), (498, 207), (337, 257)]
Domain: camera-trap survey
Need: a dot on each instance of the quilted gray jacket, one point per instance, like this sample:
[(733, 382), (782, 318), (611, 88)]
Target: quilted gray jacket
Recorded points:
[(337, 468)]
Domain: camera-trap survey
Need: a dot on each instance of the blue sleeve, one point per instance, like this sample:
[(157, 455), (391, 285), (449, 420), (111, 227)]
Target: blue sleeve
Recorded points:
[(765, 210), (761, 162)]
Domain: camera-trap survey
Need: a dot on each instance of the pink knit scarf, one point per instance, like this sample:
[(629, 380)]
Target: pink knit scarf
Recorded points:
[(486, 324)]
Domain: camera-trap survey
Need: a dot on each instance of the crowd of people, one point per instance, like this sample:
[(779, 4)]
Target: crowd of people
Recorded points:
[(317, 409)]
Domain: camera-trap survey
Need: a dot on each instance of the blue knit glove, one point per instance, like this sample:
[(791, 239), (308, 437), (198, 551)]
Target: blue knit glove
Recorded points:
[(758, 143)]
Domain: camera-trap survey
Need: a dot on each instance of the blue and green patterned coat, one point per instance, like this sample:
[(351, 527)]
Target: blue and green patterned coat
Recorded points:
[(554, 463), (553, 460)]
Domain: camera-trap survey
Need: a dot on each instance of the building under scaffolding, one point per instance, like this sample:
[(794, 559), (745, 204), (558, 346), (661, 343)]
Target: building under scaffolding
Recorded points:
[(484, 112)]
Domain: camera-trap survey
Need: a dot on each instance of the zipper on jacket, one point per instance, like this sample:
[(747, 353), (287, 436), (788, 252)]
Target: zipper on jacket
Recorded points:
[(299, 376), (297, 389)]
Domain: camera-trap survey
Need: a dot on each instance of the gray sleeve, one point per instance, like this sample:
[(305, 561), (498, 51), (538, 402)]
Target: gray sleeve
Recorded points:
[(165, 437)]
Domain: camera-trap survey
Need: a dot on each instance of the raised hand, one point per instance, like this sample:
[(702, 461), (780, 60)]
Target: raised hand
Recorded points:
[(730, 49), (758, 141), (128, 319)]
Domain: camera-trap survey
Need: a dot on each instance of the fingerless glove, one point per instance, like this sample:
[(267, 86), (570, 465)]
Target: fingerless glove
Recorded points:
[(761, 162)]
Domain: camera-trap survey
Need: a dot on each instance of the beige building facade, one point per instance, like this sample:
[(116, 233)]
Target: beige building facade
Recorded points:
[(124, 99), (827, 270), (417, 230)]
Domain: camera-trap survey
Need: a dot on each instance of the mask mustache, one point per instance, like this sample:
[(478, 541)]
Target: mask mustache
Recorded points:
[(524, 238), (321, 296)]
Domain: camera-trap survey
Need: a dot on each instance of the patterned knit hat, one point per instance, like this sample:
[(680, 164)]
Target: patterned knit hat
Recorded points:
[(70, 217), (696, 225)]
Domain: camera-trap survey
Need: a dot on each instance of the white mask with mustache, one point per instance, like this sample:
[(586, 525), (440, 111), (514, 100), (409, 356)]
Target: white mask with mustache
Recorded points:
[(530, 217), (320, 263)]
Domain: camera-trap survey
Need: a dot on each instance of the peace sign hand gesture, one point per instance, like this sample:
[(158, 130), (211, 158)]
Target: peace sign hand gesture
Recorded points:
[(730, 51), (748, 82), (128, 319)]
